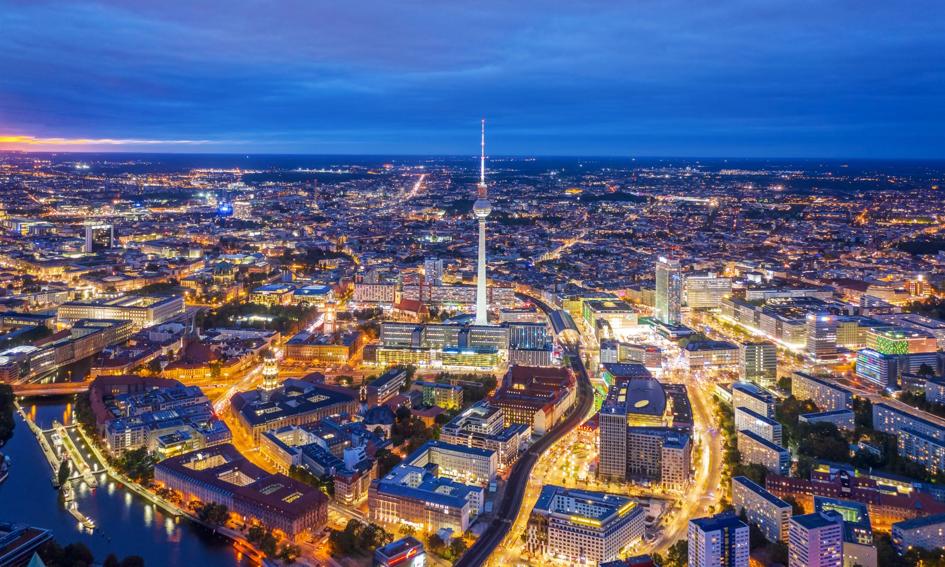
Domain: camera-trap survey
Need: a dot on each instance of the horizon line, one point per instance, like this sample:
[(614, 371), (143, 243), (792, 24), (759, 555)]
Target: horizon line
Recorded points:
[(461, 155)]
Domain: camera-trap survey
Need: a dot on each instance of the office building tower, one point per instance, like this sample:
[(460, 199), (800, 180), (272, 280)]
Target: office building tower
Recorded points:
[(433, 271), (718, 541), (816, 540), (481, 209), (705, 291), (99, 237), (755, 398), (270, 373), (826, 395), (668, 291), (821, 336), (759, 362), (765, 510), (858, 548), (926, 532)]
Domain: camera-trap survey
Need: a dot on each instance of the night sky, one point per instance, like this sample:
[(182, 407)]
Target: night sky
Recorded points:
[(619, 77)]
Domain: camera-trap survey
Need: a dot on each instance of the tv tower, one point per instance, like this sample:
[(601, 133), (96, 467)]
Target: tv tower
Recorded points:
[(482, 208)]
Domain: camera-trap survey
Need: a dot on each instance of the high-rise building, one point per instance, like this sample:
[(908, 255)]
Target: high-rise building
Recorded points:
[(433, 271), (270, 373), (755, 398), (858, 547), (763, 509), (99, 237), (481, 209), (705, 291), (669, 284), (821, 336), (759, 362), (718, 541), (816, 540), (634, 440)]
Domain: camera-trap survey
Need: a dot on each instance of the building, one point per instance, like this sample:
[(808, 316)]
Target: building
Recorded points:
[(315, 295), (583, 527), (273, 294), (755, 449), (18, 543), (900, 340), (609, 318), (765, 510), (816, 540), (705, 291), (887, 369), (858, 547), (433, 269), (464, 464), (711, 355), (919, 439), (926, 533), (635, 440), (328, 451), (328, 349), (374, 293), (98, 237), (405, 552), (386, 386), (416, 497), (821, 336), (825, 395), (759, 362), (221, 475), (441, 394), (718, 541), (142, 311), (889, 500), (537, 397), (483, 426), (166, 421), (752, 397), (765, 427), (844, 419), (669, 290), (294, 402)]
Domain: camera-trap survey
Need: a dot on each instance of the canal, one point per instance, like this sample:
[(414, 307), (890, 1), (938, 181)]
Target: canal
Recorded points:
[(126, 524)]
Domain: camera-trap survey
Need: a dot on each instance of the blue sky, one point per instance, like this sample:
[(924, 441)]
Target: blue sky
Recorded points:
[(636, 77)]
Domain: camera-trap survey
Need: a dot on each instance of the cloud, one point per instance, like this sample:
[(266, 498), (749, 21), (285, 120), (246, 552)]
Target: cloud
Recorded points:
[(743, 77), (34, 141)]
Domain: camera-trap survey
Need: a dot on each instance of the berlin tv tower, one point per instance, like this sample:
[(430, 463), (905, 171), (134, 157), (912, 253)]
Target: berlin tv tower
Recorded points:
[(482, 208)]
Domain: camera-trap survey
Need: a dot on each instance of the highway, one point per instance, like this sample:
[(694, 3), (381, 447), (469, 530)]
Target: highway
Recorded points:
[(509, 508)]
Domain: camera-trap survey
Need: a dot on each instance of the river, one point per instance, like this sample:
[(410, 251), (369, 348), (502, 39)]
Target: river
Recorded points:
[(126, 524)]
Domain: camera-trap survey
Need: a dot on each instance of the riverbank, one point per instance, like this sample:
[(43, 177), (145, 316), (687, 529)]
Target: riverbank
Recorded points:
[(126, 523)]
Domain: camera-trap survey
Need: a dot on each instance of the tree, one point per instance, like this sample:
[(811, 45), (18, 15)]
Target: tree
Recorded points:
[(386, 461), (63, 475), (215, 514), (435, 543), (111, 561), (677, 555), (796, 508), (132, 561), (289, 553), (6, 413)]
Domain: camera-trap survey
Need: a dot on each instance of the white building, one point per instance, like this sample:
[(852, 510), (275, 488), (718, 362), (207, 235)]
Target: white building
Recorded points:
[(816, 540), (583, 527), (718, 540)]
